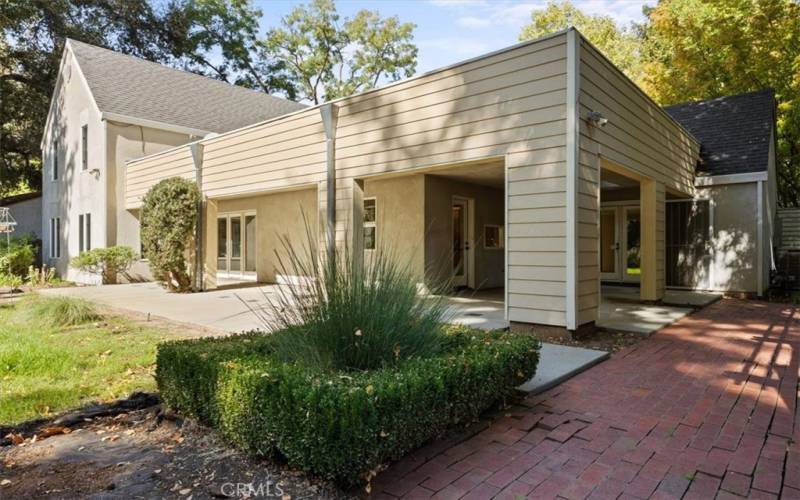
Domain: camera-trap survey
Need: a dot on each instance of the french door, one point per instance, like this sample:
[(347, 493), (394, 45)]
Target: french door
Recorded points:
[(236, 245), (620, 243)]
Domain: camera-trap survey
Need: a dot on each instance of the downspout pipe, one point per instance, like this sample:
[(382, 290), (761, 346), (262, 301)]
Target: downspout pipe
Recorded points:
[(197, 157), (329, 113)]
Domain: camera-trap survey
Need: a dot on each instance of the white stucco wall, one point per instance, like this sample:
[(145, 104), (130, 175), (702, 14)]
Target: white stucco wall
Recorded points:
[(76, 191)]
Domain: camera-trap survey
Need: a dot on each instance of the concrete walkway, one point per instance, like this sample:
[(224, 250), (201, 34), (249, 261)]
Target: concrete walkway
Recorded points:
[(705, 408), (228, 309)]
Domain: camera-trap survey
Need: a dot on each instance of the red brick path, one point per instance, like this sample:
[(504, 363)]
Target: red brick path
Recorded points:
[(705, 408)]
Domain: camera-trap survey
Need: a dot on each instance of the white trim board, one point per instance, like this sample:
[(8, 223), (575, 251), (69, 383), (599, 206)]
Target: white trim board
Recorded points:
[(572, 145), (144, 122), (716, 180)]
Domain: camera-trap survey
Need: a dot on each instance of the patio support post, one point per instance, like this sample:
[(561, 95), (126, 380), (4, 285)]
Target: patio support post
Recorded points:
[(197, 157), (652, 240), (209, 243)]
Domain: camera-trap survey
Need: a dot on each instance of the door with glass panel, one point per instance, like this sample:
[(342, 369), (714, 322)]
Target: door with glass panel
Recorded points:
[(236, 245), (632, 267)]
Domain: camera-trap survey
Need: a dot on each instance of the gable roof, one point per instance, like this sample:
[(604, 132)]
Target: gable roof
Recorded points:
[(129, 86), (734, 131)]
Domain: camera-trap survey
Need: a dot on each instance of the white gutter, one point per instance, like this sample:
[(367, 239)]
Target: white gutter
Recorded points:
[(716, 180)]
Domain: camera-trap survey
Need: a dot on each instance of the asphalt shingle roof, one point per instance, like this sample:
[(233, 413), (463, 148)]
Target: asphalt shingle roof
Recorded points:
[(135, 87), (734, 131)]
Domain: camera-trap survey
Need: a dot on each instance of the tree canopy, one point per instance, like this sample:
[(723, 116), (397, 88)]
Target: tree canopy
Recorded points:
[(327, 57), (689, 50), (312, 56)]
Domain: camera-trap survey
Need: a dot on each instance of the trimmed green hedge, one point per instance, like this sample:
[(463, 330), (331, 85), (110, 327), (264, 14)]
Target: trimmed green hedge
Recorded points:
[(343, 425)]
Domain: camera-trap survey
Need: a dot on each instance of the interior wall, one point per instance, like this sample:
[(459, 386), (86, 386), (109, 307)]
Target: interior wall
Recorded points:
[(489, 209), (400, 218), (278, 215)]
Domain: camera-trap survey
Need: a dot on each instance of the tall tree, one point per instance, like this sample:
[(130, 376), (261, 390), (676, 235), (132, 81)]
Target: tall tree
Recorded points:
[(328, 57), (33, 33), (219, 39), (216, 38), (700, 49), (619, 43)]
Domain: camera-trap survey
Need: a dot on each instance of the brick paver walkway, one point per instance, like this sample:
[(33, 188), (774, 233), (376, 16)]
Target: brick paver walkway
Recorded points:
[(705, 408)]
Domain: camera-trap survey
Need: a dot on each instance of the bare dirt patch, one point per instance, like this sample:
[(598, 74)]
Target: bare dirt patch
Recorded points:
[(602, 340), (147, 454)]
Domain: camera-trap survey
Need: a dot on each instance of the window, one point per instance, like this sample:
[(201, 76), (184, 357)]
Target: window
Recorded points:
[(370, 218), (84, 147), (492, 237), (55, 240), (55, 161), (84, 232)]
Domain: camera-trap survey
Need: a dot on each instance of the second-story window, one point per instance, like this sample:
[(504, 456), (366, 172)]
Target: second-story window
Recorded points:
[(55, 161), (84, 147)]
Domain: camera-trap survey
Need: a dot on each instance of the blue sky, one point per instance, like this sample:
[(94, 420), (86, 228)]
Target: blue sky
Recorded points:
[(449, 31)]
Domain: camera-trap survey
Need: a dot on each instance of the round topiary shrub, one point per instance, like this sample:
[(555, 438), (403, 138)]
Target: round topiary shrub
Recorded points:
[(168, 221)]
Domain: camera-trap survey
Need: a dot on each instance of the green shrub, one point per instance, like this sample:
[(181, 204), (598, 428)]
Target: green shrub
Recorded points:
[(357, 313), (341, 425), (168, 221), (60, 311), (108, 262), (11, 281), (42, 277), (18, 256)]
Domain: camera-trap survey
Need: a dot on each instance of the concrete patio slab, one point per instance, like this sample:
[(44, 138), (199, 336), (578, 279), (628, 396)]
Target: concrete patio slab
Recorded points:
[(638, 318), (558, 363)]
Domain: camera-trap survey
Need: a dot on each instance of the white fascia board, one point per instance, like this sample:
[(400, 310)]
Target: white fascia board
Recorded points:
[(572, 145), (716, 180), (144, 122)]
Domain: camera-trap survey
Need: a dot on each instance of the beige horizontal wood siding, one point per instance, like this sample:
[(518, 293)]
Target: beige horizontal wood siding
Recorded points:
[(143, 174), (639, 136), (510, 105)]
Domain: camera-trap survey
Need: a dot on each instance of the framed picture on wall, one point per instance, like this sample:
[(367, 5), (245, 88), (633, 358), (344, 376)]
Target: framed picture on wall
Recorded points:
[(493, 237)]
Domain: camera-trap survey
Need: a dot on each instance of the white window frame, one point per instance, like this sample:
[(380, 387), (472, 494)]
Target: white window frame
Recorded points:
[(85, 147), (55, 237), (54, 163), (373, 224), (85, 232), (500, 237)]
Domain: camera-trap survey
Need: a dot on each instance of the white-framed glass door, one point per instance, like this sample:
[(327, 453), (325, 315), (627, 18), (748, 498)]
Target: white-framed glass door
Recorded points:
[(463, 223), (632, 230), (610, 268), (236, 245)]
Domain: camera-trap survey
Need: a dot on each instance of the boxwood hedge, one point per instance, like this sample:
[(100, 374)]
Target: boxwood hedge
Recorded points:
[(341, 425)]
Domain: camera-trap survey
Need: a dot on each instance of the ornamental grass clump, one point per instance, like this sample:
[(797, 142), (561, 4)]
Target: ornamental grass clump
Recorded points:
[(351, 311), (60, 311)]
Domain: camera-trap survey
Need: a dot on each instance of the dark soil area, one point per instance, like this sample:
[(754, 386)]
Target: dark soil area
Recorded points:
[(144, 453)]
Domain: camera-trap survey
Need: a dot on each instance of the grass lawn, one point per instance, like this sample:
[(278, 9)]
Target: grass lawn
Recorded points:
[(45, 370)]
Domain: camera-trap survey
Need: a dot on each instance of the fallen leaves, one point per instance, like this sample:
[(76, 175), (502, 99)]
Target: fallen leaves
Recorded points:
[(53, 430), (15, 438)]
